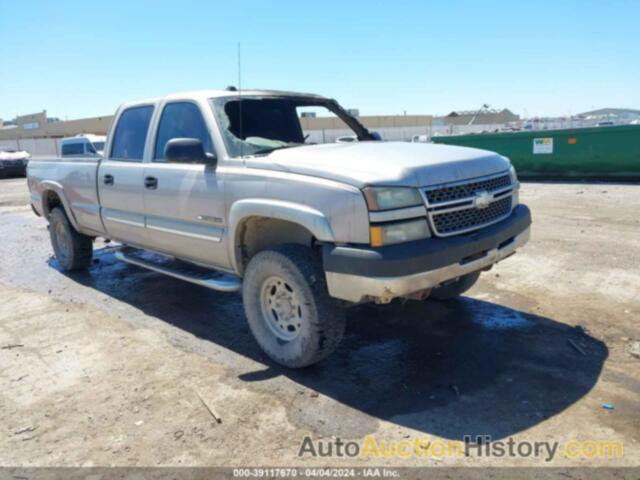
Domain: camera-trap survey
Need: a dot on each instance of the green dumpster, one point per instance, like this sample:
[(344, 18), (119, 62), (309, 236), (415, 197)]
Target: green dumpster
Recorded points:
[(598, 152)]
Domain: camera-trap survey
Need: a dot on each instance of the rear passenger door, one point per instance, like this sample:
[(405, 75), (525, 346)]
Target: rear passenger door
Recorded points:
[(184, 202), (120, 177)]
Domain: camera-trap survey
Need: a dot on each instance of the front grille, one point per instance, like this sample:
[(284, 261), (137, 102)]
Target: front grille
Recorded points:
[(466, 190), (470, 218), (466, 206)]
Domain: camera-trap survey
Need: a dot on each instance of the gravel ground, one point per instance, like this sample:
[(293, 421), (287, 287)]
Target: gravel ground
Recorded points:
[(120, 366)]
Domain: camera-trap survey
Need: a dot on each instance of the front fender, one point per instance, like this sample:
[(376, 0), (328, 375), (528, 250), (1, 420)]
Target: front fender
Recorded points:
[(303, 215)]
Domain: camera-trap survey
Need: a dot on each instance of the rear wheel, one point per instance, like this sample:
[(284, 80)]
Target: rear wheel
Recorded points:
[(455, 288), (73, 250), (288, 307)]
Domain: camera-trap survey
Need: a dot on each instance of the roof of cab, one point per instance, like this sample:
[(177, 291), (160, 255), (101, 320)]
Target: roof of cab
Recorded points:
[(206, 94)]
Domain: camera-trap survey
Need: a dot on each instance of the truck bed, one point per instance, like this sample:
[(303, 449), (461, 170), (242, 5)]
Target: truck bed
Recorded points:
[(75, 181)]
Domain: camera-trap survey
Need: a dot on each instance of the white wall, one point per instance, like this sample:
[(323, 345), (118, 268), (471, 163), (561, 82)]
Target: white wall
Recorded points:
[(35, 146), (402, 134)]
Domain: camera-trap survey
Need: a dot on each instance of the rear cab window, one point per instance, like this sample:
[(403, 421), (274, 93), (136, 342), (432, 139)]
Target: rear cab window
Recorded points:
[(71, 149), (130, 135)]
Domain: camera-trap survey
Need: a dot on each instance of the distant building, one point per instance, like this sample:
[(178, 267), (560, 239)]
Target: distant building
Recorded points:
[(478, 117), (616, 114), (38, 125), (32, 121)]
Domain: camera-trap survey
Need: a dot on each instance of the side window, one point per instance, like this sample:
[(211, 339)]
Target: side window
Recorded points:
[(181, 120), (90, 148), (69, 149), (131, 133)]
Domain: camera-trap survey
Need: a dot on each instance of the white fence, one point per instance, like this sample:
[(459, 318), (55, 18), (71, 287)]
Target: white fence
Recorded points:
[(402, 134), (405, 134), (35, 146), (51, 146)]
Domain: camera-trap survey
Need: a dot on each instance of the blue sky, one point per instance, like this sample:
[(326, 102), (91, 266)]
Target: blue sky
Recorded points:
[(83, 58)]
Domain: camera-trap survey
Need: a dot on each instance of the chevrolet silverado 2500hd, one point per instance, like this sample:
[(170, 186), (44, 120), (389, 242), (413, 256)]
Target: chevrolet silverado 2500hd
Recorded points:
[(226, 190)]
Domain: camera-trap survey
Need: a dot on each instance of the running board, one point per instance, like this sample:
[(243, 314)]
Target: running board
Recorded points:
[(223, 282)]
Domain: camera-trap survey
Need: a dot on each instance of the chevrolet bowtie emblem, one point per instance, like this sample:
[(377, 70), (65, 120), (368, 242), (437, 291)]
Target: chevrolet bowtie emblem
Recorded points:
[(482, 199)]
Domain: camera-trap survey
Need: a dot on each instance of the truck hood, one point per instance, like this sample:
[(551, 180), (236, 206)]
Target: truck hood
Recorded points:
[(384, 163)]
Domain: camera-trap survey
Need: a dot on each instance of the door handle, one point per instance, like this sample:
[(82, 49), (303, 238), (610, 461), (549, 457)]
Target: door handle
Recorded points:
[(108, 179), (151, 183)]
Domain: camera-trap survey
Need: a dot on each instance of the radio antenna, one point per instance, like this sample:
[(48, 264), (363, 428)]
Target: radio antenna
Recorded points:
[(240, 102)]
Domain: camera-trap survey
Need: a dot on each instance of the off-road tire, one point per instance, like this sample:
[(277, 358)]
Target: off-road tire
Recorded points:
[(455, 289), (322, 321), (75, 250)]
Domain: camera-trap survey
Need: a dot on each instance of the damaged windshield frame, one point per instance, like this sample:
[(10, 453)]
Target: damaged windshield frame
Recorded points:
[(237, 148)]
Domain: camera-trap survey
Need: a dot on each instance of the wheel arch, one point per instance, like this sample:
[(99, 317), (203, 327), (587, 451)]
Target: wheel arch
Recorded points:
[(277, 222), (52, 196)]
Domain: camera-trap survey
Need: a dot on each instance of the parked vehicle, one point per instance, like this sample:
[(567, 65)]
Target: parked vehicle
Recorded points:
[(224, 192), (13, 162), (83, 145)]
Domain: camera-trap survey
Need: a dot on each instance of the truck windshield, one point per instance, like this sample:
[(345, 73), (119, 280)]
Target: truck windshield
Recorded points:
[(253, 125)]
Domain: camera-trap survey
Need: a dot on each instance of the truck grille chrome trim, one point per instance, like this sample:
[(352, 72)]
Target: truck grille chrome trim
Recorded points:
[(462, 207), (398, 214), (466, 189)]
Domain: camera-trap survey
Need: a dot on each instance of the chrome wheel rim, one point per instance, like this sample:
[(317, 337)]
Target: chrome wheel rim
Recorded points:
[(281, 308), (64, 242)]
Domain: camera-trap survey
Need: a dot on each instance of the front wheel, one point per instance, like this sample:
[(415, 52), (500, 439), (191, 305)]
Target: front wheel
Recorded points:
[(288, 307)]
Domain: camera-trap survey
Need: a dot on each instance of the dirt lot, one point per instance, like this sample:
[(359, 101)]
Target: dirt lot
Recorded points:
[(115, 366)]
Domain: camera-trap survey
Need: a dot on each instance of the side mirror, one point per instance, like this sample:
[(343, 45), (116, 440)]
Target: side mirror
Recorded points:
[(187, 150), (376, 136)]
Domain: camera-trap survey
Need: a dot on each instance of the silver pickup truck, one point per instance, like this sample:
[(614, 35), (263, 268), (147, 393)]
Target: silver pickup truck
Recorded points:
[(227, 190)]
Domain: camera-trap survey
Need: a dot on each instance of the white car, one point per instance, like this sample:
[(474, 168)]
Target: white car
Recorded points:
[(420, 139), (83, 145), (13, 162)]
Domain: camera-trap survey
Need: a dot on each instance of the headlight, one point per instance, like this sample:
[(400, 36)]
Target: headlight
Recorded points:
[(398, 232), (514, 177), (388, 198), (516, 187)]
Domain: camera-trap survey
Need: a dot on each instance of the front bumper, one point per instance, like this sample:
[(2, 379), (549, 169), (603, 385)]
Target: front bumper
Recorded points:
[(360, 274)]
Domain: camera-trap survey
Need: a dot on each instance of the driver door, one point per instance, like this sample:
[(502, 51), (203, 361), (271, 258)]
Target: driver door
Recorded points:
[(183, 202)]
